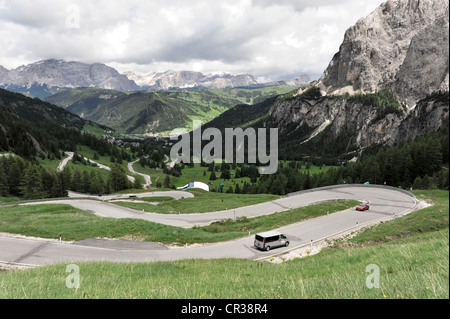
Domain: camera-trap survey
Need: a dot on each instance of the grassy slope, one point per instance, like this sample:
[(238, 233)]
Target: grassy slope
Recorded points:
[(48, 221), (157, 111), (414, 266), (203, 202), (104, 160)]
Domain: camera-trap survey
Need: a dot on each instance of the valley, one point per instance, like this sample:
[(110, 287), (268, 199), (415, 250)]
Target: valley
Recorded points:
[(90, 172), (151, 113)]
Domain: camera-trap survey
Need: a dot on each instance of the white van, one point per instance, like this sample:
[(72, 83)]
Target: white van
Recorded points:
[(270, 239)]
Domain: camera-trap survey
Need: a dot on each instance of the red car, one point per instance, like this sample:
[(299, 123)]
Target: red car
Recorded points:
[(362, 207)]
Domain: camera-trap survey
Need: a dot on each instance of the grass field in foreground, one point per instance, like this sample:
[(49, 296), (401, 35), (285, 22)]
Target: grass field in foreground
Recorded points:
[(414, 264), (412, 268)]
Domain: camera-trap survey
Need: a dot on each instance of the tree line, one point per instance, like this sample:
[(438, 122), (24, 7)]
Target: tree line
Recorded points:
[(24, 178), (419, 164)]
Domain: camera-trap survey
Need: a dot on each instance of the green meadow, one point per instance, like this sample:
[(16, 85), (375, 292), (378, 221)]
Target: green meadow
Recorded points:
[(412, 257)]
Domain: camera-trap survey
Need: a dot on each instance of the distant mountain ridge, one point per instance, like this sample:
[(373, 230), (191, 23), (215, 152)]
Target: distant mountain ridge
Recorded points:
[(61, 74), (189, 79), (47, 77), (171, 80)]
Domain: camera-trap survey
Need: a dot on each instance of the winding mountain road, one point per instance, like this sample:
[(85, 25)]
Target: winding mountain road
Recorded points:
[(147, 178), (70, 157), (65, 161), (386, 203)]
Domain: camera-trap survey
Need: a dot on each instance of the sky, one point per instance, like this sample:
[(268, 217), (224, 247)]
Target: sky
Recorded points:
[(270, 39)]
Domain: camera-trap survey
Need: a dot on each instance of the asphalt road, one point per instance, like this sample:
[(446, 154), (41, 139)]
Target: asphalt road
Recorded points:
[(70, 157), (65, 161), (147, 178), (386, 203)]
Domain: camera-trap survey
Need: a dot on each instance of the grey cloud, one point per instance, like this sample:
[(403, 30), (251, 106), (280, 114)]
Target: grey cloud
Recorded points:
[(266, 38)]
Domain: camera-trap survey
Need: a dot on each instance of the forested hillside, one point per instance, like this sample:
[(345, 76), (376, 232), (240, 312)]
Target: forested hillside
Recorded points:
[(334, 129), (32, 131), (419, 164), (158, 111)]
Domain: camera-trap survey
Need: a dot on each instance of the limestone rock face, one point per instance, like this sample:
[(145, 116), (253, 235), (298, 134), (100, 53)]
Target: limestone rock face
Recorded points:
[(59, 73), (401, 46), (367, 127), (189, 79)]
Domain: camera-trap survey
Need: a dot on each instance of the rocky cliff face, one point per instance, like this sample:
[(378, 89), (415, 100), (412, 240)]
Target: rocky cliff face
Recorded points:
[(189, 79), (398, 56), (332, 116), (402, 46), (59, 73)]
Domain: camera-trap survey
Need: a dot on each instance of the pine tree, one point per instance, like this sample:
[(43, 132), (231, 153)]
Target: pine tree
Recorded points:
[(66, 178), (434, 156), (102, 189), (237, 189), (167, 182), (31, 183), (137, 184), (14, 177), (417, 183), (4, 189), (47, 180), (57, 187), (85, 182), (94, 186), (225, 174), (76, 185), (117, 178)]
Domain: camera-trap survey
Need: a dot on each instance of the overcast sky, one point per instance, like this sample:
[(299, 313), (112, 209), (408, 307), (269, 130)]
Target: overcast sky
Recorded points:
[(271, 39)]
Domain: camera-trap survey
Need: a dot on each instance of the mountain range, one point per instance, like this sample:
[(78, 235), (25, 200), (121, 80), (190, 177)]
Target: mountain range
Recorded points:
[(387, 84), (47, 77), (171, 80)]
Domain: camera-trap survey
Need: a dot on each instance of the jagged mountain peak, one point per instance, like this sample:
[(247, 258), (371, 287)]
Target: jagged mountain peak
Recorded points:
[(65, 74), (190, 79), (401, 46)]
